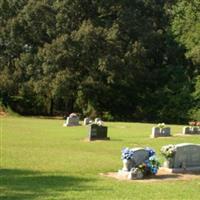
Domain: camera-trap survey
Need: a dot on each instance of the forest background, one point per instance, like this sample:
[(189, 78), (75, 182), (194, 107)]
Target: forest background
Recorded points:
[(123, 60)]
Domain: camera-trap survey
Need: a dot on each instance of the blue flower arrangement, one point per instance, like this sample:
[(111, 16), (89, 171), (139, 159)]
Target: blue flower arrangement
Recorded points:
[(127, 154), (150, 151), (149, 166), (152, 165)]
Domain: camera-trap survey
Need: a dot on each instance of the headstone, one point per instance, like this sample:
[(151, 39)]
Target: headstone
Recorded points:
[(72, 120), (86, 121), (186, 157), (195, 130), (186, 130), (138, 163), (165, 131), (160, 132), (155, 132), (191, 130), (97, 132), (140, 155), (97, 120)]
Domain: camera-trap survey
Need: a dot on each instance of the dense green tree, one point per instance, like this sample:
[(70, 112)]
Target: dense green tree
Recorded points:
[(186, 29), (122, 60)]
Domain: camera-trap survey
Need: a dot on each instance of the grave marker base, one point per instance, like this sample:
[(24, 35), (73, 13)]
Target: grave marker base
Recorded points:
[(181, 170)]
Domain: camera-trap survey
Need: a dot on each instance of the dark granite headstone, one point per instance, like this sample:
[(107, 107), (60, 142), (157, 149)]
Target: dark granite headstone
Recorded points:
[(97, 132)]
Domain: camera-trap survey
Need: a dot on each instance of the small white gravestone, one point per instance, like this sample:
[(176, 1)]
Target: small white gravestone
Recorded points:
[(97, 120), (72, 120), (87, 121)]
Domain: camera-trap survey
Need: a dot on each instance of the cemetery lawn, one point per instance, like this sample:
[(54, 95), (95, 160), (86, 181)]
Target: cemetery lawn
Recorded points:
[(42, 160)]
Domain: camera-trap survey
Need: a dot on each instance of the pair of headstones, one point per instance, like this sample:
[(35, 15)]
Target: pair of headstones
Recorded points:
[(88, 121), (191, 130), (160, 132)]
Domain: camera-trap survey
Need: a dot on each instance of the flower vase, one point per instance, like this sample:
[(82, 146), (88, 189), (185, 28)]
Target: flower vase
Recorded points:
[(168, 163), (126, 165), (135, 173)]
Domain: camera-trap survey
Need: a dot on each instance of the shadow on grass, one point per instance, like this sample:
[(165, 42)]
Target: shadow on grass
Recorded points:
[(24, 184), (167, 176)]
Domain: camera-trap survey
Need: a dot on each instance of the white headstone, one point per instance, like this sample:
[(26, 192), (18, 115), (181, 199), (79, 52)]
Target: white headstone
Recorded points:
[(97, 120), (86, 121), (72, 120)]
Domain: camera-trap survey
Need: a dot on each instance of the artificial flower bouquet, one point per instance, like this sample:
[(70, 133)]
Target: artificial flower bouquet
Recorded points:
[(148, 167), (168, 151), (161, 125)]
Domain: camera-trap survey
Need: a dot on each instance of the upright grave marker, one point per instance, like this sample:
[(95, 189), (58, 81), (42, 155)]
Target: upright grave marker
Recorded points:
[(97, 120), (138, 163), (72, 120), (87, 121), (160, 131), (98, 132), (182, 157), (194, 128)]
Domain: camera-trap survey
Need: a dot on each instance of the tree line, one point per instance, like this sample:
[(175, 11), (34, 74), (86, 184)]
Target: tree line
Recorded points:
[(119, 59)]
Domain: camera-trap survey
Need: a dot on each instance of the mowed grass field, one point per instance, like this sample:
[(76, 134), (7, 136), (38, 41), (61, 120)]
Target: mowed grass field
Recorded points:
[(42, 160)]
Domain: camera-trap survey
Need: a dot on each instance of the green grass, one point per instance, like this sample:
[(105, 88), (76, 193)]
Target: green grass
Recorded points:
[(42, 160)]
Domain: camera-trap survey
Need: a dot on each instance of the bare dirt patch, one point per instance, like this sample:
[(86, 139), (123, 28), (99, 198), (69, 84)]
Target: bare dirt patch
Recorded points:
[(161, 176)]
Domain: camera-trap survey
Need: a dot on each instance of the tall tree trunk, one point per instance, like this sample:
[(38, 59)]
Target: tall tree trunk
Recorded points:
[(51, 106)]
